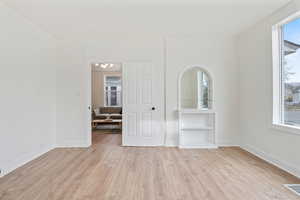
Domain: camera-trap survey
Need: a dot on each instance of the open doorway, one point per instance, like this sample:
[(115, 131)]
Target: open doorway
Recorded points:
[(107, 105)]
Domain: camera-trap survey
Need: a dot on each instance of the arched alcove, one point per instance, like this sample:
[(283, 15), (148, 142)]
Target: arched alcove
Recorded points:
[(195, 89)]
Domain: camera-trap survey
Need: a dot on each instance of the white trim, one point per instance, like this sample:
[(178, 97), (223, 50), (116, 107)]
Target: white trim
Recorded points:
[(123, 102), (73, 144), (228, 145), (197, 111), (165, 90), (276, 74), (278, 84), (284, 165), (290, 18), (90, 93), (287, 128), (170, 145), (288, 187), (203, 128), (212, 146), (89, 103), (221, 144), (20, 161)]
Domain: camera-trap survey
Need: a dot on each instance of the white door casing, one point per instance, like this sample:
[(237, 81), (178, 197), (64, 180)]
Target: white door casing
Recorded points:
[(142, 110)]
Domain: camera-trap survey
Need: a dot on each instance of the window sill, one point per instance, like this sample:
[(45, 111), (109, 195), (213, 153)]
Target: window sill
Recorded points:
[(287, 128)]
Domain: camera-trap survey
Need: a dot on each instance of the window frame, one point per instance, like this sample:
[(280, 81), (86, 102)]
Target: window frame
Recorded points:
[(278, 84), (104, 89)]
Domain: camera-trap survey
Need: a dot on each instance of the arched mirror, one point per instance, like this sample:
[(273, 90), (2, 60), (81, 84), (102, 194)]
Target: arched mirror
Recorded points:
[(195, 87)]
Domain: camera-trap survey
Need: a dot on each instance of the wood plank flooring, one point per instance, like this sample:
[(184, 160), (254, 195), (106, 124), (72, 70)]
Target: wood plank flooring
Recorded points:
[(111, 172)]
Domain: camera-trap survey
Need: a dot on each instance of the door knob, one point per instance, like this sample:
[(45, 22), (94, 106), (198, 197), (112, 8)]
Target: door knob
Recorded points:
[(153, 108)]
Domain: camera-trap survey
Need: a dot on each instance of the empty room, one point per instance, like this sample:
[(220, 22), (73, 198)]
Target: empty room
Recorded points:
[(150, 100)]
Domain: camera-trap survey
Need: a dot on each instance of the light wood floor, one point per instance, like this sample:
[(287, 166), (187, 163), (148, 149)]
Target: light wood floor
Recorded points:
[(108, 171)]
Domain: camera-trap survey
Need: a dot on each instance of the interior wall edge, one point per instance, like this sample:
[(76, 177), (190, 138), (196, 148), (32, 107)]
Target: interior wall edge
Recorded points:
[(38, 27), (282, 164), (72, 144), (16, 163), (254, 47), (277, 15), (28, 88)]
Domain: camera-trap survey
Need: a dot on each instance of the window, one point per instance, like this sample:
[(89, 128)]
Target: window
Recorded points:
[(203, 97), (113, 91), (286, 73)]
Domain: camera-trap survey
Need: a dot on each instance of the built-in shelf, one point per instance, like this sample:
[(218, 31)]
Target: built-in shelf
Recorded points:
[(196, 111), (204, 146), (197, 128)]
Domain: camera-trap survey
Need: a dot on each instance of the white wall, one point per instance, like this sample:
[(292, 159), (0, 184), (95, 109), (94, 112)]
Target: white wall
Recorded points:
[(216, 54), (74, 77), (71, 97), (27, 85), (255, 46)]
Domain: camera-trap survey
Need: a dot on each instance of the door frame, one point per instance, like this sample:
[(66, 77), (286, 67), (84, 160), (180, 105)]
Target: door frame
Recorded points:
[(88, 126), (90, 95)]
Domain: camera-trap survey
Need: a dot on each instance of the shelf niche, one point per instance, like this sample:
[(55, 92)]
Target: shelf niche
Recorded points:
[(195, 114)]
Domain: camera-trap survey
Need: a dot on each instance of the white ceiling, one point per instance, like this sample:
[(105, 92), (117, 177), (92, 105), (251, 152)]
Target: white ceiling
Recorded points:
[(83, 20)]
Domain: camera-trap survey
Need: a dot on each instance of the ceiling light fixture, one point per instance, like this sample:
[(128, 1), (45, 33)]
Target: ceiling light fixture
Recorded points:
[(97, 64), (104, 65)]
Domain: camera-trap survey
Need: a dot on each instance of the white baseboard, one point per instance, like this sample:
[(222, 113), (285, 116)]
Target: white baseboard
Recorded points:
[(219, 145), (286, 166), (22, 160), (228, 145), (73, 144), (170, 145), (171, 142), (209, 146), (12, 165)]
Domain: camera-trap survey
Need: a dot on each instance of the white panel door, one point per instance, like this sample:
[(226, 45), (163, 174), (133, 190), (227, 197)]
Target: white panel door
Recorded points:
[(142, 107)]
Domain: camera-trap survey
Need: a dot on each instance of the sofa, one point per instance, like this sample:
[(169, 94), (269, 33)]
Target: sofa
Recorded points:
[(107, 113)]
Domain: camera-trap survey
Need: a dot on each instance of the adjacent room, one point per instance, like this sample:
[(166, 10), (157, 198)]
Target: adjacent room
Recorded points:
[(150, 100), (106, 100)]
